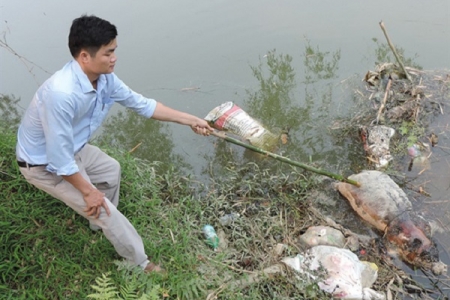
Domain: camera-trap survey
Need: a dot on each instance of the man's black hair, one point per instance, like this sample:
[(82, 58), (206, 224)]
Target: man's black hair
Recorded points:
[(90, 33)]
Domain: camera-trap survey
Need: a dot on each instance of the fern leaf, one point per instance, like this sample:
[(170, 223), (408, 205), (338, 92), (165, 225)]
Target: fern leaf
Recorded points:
[(128, 291), (154, 293), (105, 288)]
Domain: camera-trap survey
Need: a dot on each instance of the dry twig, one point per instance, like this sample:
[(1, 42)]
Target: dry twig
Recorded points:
[(383, 104), (27, 63), (394, 51)]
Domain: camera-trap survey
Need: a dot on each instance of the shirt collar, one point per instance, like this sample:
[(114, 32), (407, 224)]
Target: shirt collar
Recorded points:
[(86, 85), (101, 81)]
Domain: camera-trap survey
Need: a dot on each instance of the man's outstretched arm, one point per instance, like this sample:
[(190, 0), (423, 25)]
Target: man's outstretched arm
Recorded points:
[(164, 113)]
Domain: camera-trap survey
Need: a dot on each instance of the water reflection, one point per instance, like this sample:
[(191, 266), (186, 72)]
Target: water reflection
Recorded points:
[(320, 68), (320, 65), (145, 138), (383, 54), (9, 112), (220, 159), (275, 104)]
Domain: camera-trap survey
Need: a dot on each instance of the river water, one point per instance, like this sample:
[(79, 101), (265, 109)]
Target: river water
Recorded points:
[(290, 64)]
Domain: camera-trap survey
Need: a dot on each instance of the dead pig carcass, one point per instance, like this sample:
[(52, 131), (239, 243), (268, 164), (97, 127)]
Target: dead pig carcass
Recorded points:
[(385, 206)]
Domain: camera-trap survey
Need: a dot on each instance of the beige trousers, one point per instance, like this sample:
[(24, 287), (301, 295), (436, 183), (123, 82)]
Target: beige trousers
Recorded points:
[(104, 173)]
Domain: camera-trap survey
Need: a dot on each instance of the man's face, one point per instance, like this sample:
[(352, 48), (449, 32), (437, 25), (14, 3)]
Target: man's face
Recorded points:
[(104, 60)]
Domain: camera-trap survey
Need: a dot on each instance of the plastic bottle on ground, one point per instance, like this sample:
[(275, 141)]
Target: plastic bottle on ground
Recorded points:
[(211, 237)]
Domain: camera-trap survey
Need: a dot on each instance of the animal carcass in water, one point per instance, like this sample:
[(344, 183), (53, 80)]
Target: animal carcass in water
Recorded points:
[(384, 205)]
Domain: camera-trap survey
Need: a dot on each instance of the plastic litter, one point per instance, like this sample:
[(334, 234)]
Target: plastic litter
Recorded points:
[(211, 237), (346, 277), (419, 154), (414, 151), (230, 117), (376, 143)]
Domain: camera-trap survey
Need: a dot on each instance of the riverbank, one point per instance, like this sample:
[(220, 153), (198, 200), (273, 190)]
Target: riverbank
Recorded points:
[(49, 252)]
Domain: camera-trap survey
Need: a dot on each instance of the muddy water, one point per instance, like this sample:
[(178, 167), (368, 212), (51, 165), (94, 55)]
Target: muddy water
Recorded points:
[(432, 177), (290, 64), (426, 181)]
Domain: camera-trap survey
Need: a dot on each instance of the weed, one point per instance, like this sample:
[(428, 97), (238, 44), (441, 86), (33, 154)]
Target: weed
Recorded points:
[(48, 252)]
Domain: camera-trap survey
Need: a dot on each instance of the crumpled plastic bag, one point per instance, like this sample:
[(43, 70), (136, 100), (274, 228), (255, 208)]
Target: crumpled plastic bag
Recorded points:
[(346, 276)]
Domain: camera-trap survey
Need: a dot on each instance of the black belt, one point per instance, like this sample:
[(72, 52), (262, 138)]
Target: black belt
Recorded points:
[(23, 164)]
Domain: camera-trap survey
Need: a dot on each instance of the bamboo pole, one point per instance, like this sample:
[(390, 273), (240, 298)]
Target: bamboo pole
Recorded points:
[(397, 57), (284, 159)]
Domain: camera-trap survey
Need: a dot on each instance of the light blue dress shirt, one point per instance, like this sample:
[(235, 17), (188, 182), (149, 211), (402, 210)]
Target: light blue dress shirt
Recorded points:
[(65, 112)]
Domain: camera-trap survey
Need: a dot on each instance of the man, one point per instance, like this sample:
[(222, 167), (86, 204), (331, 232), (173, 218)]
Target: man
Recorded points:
[(52, 143)]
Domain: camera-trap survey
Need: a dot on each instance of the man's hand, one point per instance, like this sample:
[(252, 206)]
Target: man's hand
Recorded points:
[(95, 200), (201, 127)]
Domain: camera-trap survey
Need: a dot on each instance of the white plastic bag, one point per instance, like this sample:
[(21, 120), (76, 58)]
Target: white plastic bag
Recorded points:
[(344, 272)]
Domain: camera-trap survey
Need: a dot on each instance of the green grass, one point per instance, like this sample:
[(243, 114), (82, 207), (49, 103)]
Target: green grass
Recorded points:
[(48, 252)]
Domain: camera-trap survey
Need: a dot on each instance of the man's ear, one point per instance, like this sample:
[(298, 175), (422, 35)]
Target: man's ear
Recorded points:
[(84, 56)]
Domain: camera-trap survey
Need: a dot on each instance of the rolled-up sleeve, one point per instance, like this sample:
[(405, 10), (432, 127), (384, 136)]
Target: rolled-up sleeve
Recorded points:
[(57, 112), (125, 96)]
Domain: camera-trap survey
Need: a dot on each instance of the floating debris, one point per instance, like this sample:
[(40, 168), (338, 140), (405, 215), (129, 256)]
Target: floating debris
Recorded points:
[(376, 143)]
